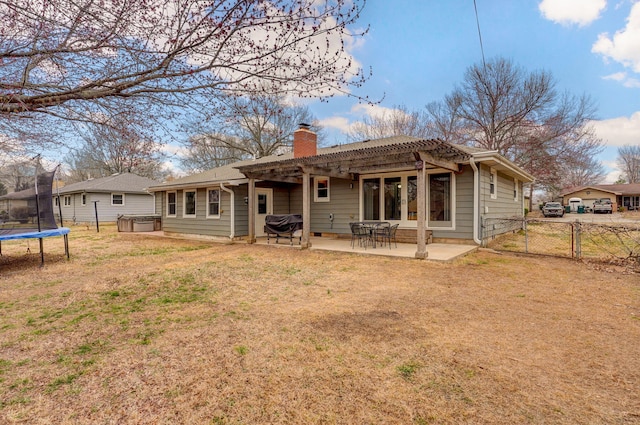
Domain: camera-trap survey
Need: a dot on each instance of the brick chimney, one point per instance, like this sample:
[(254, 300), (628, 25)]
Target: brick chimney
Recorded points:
[(304, 142)]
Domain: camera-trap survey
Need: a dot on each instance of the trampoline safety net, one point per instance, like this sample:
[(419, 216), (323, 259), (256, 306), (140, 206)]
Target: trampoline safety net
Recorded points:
[(19, 211)]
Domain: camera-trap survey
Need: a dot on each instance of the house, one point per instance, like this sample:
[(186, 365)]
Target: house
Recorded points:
[(625, 195), (16, 202), (109, 197), (427, 187)]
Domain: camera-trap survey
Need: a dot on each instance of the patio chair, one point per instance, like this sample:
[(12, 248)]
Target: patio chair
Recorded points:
[(361, 233), (380, 230), (387, 233)]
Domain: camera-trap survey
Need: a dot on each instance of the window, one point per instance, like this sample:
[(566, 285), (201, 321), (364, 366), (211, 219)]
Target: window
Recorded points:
[(262, 203), (392, 198), (56, 201), (117, 199), (515, 190), (83, 199), (412, 198), (171, 204), (321, 189), (371, 193), (67, 200), (189, 203), (213, 203), (493, 184), (440, 197)]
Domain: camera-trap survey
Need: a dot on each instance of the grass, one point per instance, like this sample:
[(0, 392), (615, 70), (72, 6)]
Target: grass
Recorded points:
[(176, 331), (598, 241)]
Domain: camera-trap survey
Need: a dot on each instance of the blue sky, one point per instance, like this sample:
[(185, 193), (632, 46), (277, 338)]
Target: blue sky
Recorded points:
[(419, 51)]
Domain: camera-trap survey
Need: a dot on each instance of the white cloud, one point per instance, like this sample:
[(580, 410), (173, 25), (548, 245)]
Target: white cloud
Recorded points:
[(624, 45), (359, 112), (613, 173), (618, 76), (570, 12), (623, 78), (363, 110), (619, 131), (338, 123)]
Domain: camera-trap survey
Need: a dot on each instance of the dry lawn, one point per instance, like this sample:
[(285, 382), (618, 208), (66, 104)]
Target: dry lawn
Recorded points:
[(137, 329)]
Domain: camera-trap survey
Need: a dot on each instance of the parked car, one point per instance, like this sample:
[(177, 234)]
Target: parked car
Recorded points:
[(603, 205), (553, 209)]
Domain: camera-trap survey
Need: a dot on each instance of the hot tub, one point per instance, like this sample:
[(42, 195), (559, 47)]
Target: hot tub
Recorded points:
[(139, 223)]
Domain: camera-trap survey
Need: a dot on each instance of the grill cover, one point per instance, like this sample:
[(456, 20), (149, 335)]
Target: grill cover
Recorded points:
[(283, 223)]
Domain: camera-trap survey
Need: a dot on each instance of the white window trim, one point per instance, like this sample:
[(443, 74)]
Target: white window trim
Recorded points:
[(516, 190), (117, 205), (316, 198), (215, 216), (83, 199), (176, 204), (404, 222), (184, 203), (66, 198), (453, 199), (493, 178)]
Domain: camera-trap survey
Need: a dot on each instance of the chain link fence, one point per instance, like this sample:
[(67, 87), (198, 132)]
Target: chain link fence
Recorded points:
[(616, 242)]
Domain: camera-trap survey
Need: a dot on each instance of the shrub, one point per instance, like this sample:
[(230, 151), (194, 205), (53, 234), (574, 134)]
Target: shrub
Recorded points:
[(20, 213)]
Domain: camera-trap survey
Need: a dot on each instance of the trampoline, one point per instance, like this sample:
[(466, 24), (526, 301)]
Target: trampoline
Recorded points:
[(29, 213)]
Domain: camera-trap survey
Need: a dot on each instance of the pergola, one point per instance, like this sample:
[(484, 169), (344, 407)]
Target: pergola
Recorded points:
[(399, 153)]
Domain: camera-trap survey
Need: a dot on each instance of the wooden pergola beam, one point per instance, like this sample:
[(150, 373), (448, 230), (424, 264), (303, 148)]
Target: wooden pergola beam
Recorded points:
[(428, 158)]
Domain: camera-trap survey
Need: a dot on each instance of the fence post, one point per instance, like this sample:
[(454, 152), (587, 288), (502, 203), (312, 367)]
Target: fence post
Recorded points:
[(578, 232), (573, 241), (526, 235)]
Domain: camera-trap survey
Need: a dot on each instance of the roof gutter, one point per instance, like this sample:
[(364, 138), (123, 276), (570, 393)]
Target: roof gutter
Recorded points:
[(493, 155), (194, 185), (233, 210), (476, 199)]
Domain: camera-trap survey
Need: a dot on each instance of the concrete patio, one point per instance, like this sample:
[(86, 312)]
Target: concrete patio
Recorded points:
[(435, 251)]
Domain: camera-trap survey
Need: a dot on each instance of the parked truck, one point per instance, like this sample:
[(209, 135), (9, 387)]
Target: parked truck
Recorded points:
[(602, 206)]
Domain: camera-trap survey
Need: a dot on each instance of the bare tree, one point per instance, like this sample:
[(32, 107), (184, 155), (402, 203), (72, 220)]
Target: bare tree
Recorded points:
[(629, 162), (66, 59), (113, 145), (394, 122), (501, 107), (247, 127), (207, 151), (581, 170), (18, 175)]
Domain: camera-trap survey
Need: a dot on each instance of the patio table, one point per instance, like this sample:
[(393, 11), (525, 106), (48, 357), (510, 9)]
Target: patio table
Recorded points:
[(373, 228)]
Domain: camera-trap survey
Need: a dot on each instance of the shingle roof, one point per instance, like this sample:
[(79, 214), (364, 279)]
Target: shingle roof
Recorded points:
[(126, 183), (230, 173), (619, 189)]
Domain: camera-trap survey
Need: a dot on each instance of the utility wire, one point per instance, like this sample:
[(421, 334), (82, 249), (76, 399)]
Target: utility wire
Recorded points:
[(475, 6)]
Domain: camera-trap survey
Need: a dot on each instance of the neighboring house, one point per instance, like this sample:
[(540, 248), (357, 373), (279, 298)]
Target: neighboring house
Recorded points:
[(626, 195), (387, 179), (18, 204), (118, 194)]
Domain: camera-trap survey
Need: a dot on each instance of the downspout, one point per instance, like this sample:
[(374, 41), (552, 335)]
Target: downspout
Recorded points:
[(233, 210), (476, 197)]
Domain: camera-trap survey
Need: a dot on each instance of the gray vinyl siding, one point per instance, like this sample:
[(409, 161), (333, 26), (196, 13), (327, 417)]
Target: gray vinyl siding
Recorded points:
[(134, 204), (343, 204), (464, 208), (282, 200), (504, 206), (200, 224), (242, 209)]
